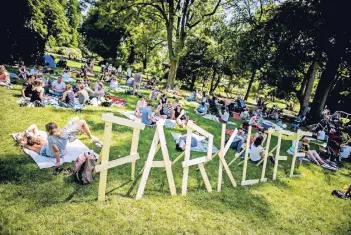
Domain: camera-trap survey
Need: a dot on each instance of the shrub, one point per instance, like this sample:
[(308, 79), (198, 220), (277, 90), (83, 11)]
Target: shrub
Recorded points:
[(67, 52)]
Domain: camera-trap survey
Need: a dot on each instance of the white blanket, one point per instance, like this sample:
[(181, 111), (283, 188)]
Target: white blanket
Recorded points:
[(202, 143), (73, 150), (214, 118)]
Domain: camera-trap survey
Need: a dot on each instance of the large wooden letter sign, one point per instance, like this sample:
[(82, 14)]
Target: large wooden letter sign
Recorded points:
[(159, 137), (223, 162), (197, 161), (105, 163), (263, 173), (296, 153)]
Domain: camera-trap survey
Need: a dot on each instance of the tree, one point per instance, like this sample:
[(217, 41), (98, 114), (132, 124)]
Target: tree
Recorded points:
[(74, 17), (21, 39), (102, 33), (180, 18), (335, 42)]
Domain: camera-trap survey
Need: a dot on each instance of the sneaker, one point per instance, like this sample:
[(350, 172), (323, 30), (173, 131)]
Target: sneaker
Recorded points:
[(271, 159)]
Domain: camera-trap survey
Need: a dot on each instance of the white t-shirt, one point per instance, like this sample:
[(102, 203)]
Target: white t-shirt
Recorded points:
[(255, 153), (321, 135), (129, 72), (99, 93), (253, 120), (60, 87), (345, 151), (225, 116)]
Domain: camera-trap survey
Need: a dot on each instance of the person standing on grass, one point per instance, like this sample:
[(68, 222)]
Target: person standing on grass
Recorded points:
[(27, 88), (57, 87), (137, 81), (5, 77)]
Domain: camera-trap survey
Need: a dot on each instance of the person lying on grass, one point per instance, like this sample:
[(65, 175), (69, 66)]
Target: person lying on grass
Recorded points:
[(54, 145), (180, 146), (312, 155), (5, 77), (179, 116)]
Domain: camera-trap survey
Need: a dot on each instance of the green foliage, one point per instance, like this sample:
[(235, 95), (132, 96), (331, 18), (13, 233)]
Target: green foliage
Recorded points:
[(67, 52), (74, 18), (49, 20), (101, 33)]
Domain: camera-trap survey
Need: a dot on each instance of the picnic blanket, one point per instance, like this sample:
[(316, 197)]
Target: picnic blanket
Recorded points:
[(214, 118), (171, 124), (73, 150), (202, 143)]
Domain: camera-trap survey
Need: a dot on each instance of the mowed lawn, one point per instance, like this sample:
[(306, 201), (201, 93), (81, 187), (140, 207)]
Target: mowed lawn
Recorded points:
[(34, 201)]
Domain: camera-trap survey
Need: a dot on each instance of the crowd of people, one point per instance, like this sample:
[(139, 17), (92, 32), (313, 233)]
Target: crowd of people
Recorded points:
[(36, 85)]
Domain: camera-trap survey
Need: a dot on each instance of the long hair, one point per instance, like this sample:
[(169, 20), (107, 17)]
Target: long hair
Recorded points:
[(258, 141), (53, 129)]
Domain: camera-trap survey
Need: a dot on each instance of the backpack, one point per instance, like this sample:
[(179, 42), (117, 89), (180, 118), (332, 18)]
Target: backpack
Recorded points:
[(84, 167)]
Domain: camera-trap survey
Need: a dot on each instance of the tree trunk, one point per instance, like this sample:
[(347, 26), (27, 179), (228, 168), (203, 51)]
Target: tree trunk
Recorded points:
[(309, 86), (144, 63), (324, 85), (172, 72), (252, 79), (229, 88), (214, 73), (192, 83)]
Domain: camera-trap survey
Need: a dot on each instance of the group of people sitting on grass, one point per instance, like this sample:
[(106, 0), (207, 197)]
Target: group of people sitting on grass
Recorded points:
[(165, 109), (53, 144)]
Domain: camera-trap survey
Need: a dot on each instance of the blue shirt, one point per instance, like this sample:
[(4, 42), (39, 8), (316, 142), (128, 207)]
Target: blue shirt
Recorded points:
[(145, 112), (202, 108)]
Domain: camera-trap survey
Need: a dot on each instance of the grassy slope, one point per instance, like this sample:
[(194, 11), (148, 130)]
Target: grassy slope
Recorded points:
[(33, 201)]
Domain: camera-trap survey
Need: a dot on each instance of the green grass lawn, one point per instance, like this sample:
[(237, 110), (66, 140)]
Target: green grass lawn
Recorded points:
[(34, 201)]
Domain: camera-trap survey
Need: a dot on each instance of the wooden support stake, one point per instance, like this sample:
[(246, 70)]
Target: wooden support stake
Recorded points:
[(199, 161), (263, 174), (220, 168), (104, 160), (186, 158), (277, 153), (223, 162), (134, 149), (159, 141), (247, 149), (296, 154)]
